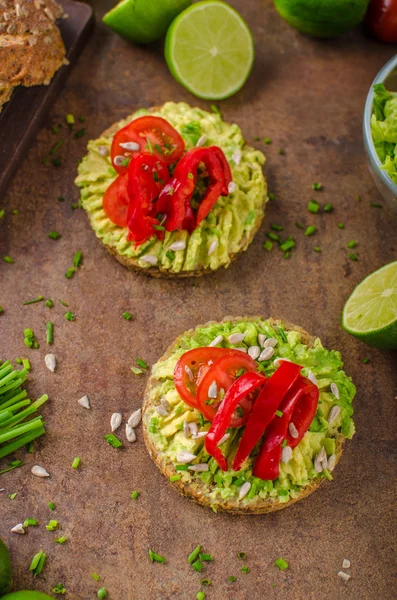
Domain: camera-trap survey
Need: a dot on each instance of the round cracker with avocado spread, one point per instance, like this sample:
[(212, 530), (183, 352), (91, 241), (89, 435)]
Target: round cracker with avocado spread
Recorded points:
[(312, 460), (228, 228)]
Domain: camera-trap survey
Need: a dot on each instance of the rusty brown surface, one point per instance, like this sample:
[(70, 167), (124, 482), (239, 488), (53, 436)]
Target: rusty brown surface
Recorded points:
[(308, 97)]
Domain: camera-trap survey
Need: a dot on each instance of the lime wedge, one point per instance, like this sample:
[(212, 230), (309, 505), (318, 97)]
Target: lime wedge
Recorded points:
[(209, 50), (143, 21), (370, 313)]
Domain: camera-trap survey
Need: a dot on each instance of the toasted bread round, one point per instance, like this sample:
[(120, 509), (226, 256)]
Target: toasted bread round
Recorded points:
[(158, 270), (194, 488)]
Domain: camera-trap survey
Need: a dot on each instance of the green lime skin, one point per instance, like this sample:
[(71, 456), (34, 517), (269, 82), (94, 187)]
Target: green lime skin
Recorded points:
[(5, 569), (385, 338), (322, 18), (144, 21), (27, 595)]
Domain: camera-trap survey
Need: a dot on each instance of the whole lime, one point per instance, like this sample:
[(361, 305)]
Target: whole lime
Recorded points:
[(325, 18), (27, 595), (5, 569), (144, 21)]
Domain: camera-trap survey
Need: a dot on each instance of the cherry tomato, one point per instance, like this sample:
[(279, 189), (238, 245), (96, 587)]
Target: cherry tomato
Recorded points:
[(146, 134), (220, 376), (382, 19), (115, 201), (191, 368)]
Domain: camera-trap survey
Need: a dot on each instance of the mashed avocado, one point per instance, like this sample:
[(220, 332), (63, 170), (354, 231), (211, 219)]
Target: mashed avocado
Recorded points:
[(230, 224), (166, 432)]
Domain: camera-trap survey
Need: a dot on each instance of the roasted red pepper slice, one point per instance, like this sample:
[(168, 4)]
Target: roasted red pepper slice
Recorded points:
[(304, 411), (115, 201), (147, 175), (175, 198), (238, 391), (267, 464), (220, 376), (146, 134), (191, 368), (265, 407)]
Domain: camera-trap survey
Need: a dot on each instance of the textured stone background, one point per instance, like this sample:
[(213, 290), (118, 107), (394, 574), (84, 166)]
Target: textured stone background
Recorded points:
[(308, 96)]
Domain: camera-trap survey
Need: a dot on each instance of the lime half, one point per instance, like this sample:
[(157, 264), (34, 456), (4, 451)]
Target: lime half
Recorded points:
[(371, 311), (5, 569), (209, 50)]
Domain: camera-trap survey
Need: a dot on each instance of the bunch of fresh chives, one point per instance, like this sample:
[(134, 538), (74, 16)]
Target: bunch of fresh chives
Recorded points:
[(15, 407)]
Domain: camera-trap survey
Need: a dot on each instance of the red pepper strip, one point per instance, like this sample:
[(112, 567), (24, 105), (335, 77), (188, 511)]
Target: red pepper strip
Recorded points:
[(265, 407), (304, 411), (239, 390), (174, 200), (147, 175), (267, 464)]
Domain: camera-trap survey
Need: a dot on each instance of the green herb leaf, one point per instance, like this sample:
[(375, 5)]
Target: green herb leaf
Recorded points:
[(313, 206), (310, 230), (134, 495), (78, 257), (127, 316), (156, 557), (281, 563)]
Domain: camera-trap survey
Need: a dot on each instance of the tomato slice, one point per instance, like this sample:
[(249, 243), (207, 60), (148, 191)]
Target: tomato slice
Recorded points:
[(381, 19), (191, 368), (146, 134), (220, 376), (115, 201)]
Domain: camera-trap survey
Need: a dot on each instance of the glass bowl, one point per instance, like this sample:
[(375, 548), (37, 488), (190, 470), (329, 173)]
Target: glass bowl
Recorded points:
[(384, 183)]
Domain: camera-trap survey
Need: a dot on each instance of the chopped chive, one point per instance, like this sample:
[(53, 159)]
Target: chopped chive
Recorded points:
[(102, 593), (267, 140), (200, 595), (26, 364), (287, 245), (76, 462), (317, 186), (78, 257), (273, 236), (365, 361), (30, 523), (56, 146), (1, 310), (170, 254), (77, 205), (38, 299), (281, 151), (287, 255), (175, 477), (351, 244), (60, 540), (52, 525), (198, 565), (375, 205), (206, 557), (328, 208), (69, 316), (70, 272), (250, 217), (12, 496), (149, 145), (284, 443), (57, 162), (134, 495), (159, 227), (113, 440), (279, 413), (8, 260), (313, 206), (232, 578), (353, 256), (79, 133), (95, 576), (190, 175), (216, 110), (276, 227), (271, 196), (317, 249), (341, 225), (191, 558), (50, 332), (61, 199), (310, 230), (63, 302), (281, 563), (136, 371), (127, 316), (268, 245), (30, 340), (181, 467), (282, 334), (55, 129), (69, 119), (59, 589), (245, 569), (82, 119), (156, 557), (37, 563), (15, 211), (51, 505), (256, 138), (241, 555), (141, 363), (2, 213), (205, 581), (299, 225)]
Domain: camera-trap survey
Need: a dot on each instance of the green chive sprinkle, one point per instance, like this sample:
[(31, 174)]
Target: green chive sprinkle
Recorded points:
[(50, 332), (95, 576), (232, 578), (76, 462), (242, 555), (353, 256), (38, 299), (281, 563), (328, 208), (61, 199), (57, 162), (205, 581), (59, 589), (149, 145), (55, 129), (317, 249), (75, 206), (181, 467), (310, 230), (271, 196), (127, 316), (8, 260), (282, 334), (313, 206), (245, 569), (156, 557), (216, 110), (79, 133), (78, 257), (113, 440), (69, 316), (284, 443), (287, 255), (351, 244), (63, 302), (198, 565), (49, 303), (82, 119), (134, 495), (268, 245), (69, 119), (206, 557), (365, 361), (281, 151), (12, 496), (200, 595), (276, 227), (279, 413), (194, 554), (267, 140), (51, 505), (299, 225), (30, 523), (287, 245), (175, 477), (102, 593), (375, 205), (141, 363), (136, 371), (56, 146), (170, 254), (70, 272), (37, 563), (52, 525), (317, 186), (61, 540), (273, 236), (341, 225)]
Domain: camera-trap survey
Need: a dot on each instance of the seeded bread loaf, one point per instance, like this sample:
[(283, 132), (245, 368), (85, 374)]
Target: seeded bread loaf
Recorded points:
[(31, 46)]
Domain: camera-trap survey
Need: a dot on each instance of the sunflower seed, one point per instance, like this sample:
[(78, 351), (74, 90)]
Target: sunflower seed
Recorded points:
[(166, 404), (189, 373), (186, 429), (185, 457), (270, 343), (322, 454), (84, 402), (245, 488), (278, 361), (199, 435), (115, 421), (213, 390), (317, 465), (103, 150), (216, 341), (201, 141), (331, 462), (200, 468), (181, 245), (131, 146), (335, 390), (39, 471), (232, 187), (18, 528), (346, 563), (223, 439), (293, 430), (119, 160), (213, 247), (333, 414), (130, 433), (344, 576), (193, 428), (324, 464), (286, 454), (161, 410), (266, 354), (254, 352), (50, 362), (135, 418), (312, 377), (236, 338), (149, 258), (236, 156), (261, 339)]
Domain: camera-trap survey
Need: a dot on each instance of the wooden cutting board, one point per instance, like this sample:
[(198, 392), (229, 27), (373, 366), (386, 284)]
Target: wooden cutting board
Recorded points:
[(24, 113)]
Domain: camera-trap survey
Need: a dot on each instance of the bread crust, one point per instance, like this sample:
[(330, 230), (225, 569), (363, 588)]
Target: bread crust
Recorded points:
[(157, 271), (192, 490)]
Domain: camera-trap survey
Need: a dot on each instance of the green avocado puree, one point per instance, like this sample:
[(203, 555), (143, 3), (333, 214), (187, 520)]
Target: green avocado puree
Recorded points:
[(228, 226), (166, 432)]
